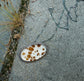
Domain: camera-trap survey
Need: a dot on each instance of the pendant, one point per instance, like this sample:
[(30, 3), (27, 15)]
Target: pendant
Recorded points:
[(33, 53)]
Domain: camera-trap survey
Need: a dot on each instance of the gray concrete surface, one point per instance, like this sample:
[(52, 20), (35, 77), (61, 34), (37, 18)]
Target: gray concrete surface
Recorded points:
[(65, 56)]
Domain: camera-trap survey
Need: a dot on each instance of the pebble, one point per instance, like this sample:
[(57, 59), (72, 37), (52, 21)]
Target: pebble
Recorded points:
[(33, 53)]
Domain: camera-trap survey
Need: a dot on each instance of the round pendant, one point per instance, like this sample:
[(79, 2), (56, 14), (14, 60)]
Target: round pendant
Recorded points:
[(33, 53)]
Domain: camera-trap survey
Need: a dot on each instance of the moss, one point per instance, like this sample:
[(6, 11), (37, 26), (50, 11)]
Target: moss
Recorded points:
[(9, 58)]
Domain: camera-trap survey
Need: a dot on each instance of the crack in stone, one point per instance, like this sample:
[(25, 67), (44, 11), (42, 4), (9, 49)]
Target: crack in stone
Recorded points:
[(41, 31), (49, 38), (66, 27), (68, 11)]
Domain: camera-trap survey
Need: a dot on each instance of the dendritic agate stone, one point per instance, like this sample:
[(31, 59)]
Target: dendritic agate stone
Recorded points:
[(33, 52)]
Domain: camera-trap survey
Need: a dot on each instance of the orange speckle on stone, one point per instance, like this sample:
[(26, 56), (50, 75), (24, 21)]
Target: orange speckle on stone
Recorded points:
[(38, 54), (36, 50), (33, 45), (30, 59), (34, 57), (31, 49), (29, 52), (38, 45), (28, 56), (43, 49), (42, 53), (23, 53), (27, 59)]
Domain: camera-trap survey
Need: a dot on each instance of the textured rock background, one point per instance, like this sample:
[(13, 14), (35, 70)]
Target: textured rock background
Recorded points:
[(65, 56)]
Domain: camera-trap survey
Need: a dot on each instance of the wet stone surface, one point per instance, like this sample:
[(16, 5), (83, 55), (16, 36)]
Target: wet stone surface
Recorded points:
[(48, 23)]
